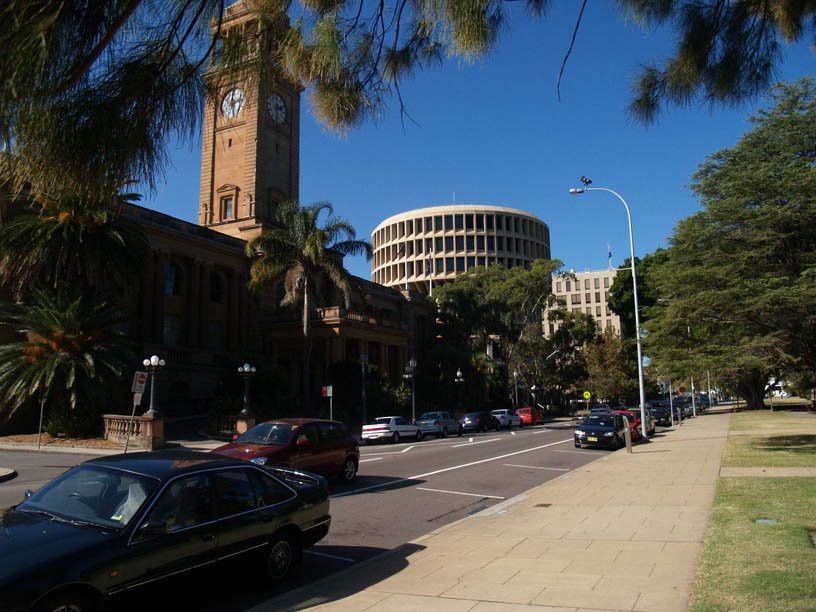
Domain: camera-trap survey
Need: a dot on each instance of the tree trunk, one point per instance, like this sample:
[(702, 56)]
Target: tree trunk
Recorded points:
[(307, 349), (751, 388)]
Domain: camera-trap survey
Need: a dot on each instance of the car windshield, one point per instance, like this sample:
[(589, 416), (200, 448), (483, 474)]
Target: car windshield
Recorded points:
[(523, 411), (498, 412), (472, 415), (92, 495), (381, 421), (599, 420), (431, 415), (276, 434)]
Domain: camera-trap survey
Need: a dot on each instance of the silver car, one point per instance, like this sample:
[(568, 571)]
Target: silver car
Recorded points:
[(439, 423), (507, 418)]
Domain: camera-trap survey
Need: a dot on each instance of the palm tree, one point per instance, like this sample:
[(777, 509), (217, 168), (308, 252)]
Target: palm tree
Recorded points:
[(72, 351), (302, 254), (71, 240)]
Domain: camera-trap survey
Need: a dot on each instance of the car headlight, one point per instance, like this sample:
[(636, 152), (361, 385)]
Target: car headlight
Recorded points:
[(607, 434), (258, 460), (578, 432)]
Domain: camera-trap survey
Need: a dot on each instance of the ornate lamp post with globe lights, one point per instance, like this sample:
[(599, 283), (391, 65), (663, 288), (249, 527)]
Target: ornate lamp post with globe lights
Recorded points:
[(246, 372), (409, 375), (460, 384), (153, 365)]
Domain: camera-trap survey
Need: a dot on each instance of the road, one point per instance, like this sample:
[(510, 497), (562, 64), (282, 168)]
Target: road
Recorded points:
[(402, 491)]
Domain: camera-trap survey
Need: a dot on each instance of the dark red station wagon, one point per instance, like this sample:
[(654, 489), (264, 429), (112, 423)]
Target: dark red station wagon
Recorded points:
[(325, 447)]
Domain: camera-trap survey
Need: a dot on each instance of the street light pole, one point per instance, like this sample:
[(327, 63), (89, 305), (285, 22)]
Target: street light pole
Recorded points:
[(410, 374), (246, 372), (152, 365), (363, 364), (460, 383), (584, 189)]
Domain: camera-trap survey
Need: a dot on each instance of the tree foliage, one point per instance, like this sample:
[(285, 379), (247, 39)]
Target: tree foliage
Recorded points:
[(306, 257), (608, 376), (90, 89), (739, 279), (72, 352)]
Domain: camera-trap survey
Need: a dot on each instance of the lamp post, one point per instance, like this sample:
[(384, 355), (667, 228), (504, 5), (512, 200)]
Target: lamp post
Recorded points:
[(515, 387), (585, 188), (246, 372), (363, 365), (152, 365), (460, 383), (410, 371)]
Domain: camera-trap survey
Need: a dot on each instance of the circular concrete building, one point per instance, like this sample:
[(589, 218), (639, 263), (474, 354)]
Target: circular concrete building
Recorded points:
[(419, 248)]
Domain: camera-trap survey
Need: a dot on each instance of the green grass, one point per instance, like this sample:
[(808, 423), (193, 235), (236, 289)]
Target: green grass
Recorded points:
[(771, 439), (751, 566)]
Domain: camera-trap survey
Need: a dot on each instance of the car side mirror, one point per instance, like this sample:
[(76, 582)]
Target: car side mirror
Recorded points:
[(303, 442), (28, 493)]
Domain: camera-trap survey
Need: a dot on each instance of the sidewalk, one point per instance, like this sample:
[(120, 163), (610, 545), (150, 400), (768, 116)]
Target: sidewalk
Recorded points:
[(622, 533)]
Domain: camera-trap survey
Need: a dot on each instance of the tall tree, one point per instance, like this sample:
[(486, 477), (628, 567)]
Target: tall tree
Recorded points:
[(71, 356), (70, 240), (740, 276), (92, 87), (303, 254)]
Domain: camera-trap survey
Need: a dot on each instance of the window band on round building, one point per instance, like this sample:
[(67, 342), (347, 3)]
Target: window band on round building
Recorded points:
[(420, 248)]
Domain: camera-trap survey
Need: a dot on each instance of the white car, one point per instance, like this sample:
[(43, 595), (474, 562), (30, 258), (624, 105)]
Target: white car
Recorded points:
[(507, 418), (390, 428)]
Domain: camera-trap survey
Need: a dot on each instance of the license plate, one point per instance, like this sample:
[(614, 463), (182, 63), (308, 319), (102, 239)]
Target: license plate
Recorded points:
[(592, 439)]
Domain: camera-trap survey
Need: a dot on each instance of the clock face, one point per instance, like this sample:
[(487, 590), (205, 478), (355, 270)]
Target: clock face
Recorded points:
[(232, 103), (277, 108)]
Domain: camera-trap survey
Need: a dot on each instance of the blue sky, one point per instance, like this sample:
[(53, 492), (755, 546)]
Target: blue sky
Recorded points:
[(494, 132)]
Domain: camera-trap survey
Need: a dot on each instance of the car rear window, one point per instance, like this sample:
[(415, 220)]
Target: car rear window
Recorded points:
[(267, 433), (600, 421)]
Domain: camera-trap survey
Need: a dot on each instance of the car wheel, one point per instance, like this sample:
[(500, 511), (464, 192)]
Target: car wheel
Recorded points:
[(66, 601), (577, 445), (461, 431), (349, 470), (419, 435), (395, 437), (281, 557), (444, 432)]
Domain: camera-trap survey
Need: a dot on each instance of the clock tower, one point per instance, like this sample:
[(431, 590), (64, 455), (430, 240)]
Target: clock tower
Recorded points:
[(250, 144)]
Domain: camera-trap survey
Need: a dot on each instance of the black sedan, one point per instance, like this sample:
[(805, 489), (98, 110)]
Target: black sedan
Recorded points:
[(603, 430), (662, 416), (479, 421), (116, 523)]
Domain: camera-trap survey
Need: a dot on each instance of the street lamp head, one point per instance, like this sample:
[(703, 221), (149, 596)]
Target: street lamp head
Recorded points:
[(412, 362), (576, 191), (586, 181), (146, 362), (154, 360)]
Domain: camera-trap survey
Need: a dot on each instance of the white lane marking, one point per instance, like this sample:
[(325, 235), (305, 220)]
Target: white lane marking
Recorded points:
[(372, 459), (406, 449), (448, 469), (460, 493), (536, 467), (568, 451), (512, 433), (319, 554), (471, 442)]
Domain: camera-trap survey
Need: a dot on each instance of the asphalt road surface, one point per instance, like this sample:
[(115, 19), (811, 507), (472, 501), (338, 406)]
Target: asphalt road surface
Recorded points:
[(402, 491)]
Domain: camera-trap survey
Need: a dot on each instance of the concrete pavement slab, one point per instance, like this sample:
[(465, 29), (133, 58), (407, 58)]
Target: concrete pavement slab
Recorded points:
[(577, 542)]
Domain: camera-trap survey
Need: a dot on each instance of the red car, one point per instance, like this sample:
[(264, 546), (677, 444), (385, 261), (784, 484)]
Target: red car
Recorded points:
[(315, 445), (634, 422), (530, 415)]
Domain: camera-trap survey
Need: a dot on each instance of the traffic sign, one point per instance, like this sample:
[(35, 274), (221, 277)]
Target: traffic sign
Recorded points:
[(327, 391), (139, 382), (681, 390), (587, 395)]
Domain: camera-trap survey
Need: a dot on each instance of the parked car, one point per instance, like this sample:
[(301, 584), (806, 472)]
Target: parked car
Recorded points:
[(112, 524), (600, 408), (650, 421), (531, 415), (662, 416), (390, 428), (634, 422), (507, 418), (479, 421), (440, 424), (606, 430), (325, 447)]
